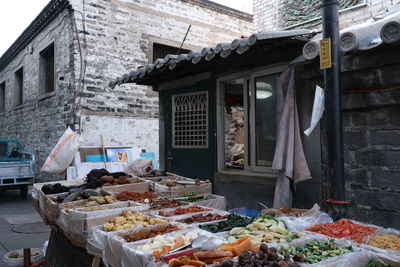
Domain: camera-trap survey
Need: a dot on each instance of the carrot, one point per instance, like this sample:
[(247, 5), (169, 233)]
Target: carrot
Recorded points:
[(229, 244), (165, 249), (174, 263), (179, 242), (241, 240), (243, 246), (227, 248), (157, 254)]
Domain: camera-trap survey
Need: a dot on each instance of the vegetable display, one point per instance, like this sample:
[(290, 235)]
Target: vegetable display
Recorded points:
[(162, 203), (145, 233), (181, 211), (343, 228), (135, 196), (129, 220), (264, 229), (203, 217), (264, 257), (187, 261), (316, 251), (387, 241), (373, 263), (234, 220), (163, 244)]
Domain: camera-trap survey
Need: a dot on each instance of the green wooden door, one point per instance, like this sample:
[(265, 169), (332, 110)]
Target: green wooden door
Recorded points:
[(189, 116)]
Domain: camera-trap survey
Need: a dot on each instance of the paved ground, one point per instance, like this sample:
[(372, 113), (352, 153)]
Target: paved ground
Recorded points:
[(20, 225)]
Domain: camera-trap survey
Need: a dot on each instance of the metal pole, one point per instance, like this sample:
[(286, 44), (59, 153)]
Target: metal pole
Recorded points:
[(333, 102)]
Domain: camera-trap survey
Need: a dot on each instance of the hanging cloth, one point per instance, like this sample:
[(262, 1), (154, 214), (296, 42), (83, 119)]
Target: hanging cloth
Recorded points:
[(289, 158)]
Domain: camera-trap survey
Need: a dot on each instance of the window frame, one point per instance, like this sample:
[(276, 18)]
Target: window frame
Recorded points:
[(206, 146), (3, 96), (19, 87), (248, 91), (43, 71)]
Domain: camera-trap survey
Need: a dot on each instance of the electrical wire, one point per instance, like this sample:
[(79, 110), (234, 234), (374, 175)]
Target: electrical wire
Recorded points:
[(34, 47)]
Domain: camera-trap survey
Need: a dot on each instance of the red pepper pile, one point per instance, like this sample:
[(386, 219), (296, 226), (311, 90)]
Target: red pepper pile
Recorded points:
[(343, 228), (181, 211), (134, 196)]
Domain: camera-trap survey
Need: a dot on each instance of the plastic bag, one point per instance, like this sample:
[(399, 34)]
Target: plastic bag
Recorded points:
[(300, 223), (318, 109), (139, 167), (17, 262), (63, 153)]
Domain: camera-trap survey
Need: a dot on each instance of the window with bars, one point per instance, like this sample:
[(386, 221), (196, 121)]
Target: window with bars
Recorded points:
[(190, 120)]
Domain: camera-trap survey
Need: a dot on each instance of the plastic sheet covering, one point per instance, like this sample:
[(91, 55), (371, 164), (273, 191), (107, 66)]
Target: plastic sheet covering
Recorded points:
[(373, 249), (97, 238), (215, 202), (168, 210), (181, 217), (159, 186), (115, 241), (48, 209), (349, 259), (130, 256), (17, 262), (139, 167), (300, 223), (79, 222)]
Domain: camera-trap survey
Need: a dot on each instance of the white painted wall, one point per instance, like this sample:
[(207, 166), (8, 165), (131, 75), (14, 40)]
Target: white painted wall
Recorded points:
[(118, 131)]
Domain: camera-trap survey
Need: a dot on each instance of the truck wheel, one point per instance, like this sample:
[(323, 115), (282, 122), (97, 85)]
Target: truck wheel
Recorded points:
[(24, 191)]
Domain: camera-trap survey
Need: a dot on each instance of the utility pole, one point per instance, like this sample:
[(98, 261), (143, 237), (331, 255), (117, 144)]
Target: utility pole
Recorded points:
[(333, 101)]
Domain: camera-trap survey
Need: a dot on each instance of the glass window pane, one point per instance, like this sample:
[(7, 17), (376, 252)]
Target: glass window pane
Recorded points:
[(265, 118), (233, 123)]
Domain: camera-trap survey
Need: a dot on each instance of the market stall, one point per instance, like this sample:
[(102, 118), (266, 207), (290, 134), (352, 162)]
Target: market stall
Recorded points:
[(117, 219)]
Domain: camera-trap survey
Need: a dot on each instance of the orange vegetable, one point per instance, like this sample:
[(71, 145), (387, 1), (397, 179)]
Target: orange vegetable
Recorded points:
[(157, 254), (174, 263), (165, 249), (227, 248), (343, 228), (241, 240), (244, 245), (179, 242)]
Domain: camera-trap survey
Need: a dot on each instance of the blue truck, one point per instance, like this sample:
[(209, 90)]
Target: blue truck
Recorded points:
[(17, 168)]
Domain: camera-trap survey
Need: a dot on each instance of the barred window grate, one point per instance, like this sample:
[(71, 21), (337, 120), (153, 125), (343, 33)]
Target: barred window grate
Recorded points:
[(190, 120)]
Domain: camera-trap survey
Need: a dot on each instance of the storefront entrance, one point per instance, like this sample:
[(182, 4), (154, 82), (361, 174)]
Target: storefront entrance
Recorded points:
[(189, 130)]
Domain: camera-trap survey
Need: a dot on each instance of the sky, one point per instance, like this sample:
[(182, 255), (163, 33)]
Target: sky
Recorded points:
[(16, 15)]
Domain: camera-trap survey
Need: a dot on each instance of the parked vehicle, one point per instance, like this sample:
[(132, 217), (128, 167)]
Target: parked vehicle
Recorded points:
[(17, 168)]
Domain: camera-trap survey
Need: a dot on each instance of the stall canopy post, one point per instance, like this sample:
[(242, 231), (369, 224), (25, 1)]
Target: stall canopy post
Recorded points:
[(333, 101)]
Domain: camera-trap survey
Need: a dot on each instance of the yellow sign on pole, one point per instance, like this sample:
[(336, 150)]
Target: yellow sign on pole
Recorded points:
[(325, 58)]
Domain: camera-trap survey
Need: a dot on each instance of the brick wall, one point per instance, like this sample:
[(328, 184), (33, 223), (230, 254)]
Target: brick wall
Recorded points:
[(372, 155), (115, 37), (39, 122), (267, 14), (118, 38)]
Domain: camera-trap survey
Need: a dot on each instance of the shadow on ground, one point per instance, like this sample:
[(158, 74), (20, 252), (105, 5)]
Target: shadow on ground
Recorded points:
[(20, 224)]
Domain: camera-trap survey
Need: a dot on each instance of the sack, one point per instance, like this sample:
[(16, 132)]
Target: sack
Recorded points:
[(63, 153), (139, 167)]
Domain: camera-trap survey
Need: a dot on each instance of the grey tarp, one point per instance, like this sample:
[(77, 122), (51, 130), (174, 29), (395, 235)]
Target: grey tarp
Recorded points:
[(289, 158)]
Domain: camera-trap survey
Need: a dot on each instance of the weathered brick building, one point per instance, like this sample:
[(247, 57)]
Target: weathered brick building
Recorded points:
[(371, 108), (57, 72), (276, 14)]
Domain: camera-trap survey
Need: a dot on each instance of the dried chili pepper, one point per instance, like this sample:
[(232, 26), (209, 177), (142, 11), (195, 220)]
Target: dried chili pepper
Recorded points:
[(343, 228)]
